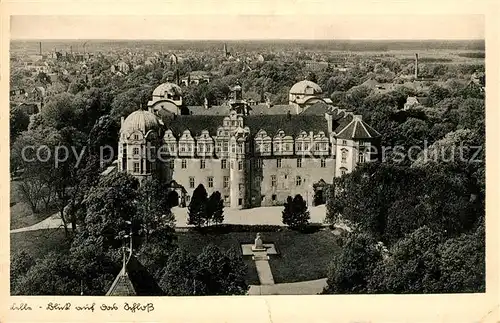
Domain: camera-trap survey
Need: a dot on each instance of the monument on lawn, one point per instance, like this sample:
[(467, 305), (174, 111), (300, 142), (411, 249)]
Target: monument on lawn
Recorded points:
[(258, 244)]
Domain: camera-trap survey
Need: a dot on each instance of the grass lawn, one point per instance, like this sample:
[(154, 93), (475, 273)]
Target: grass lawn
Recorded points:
[(38, 243), (303, 256), (20, 212)]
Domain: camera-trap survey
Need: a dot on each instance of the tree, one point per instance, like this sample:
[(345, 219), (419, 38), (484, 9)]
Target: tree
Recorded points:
[(215, 208), (21, 262), (153, 209), (19, 121), (197, 209), (411, 267), (462, 263), (91, 264), (60, 112), (50, 275), (352, 267), (110, 205), (180, 273), (222, 273), (295, 213), (33, 151), (212, 272)]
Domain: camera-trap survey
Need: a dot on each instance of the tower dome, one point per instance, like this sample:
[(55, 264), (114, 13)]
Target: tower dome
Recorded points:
[(167, 90), (140, 120), (306, 87)]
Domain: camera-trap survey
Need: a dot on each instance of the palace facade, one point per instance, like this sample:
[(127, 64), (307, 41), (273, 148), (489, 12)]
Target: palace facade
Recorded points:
[(254, 155)]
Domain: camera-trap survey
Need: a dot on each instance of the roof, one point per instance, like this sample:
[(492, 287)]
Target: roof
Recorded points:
[(141, 120), (194, 123), (258, 109), (170, 88), (300, 87), (134, 280), (199, 74), (318, 108), (357, 129), (122, 285)]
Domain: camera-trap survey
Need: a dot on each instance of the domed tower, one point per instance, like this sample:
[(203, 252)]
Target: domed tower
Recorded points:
[(167, 97), (140, 138), (304, 94)]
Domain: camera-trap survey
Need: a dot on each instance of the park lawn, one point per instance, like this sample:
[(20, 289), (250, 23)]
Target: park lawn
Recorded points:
[(302, 256), (20, 212), (40, 242)]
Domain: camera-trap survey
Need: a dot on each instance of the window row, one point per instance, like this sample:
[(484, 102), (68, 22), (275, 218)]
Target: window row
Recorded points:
[(210, 182), (255, 163), (298, 181)]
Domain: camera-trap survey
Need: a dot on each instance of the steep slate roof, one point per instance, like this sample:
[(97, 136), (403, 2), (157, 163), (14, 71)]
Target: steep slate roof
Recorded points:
[(134, 280), (357, 129), (262, 109), (258, 109), (318, 108), (194, 123), (211, 111)]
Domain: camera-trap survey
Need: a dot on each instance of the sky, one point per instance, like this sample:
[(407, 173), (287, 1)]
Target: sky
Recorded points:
[(247, 27)]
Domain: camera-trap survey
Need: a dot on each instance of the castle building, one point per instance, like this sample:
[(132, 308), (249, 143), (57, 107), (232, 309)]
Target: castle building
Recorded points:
[(252, 158)]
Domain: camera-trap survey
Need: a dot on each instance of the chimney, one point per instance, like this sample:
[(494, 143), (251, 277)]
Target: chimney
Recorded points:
[(416, 65), (121, 121), (40, 48)]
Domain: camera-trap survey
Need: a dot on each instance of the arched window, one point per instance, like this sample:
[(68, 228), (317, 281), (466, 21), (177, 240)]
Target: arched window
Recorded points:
[(343, 170), (344, 155)]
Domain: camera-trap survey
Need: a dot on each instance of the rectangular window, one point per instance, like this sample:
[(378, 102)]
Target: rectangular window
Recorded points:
[(184, 164), (298, 181), (223, 164), (361, 158), (218, 147), (273, 180), (191, 182), (299, 162), (233, 148), (240, 164), (344, 142), (259, 163), (136, 151), (287, 147), (278, 163), (172, 148), (273, 197), (202, 163), (316, 146), (241, 187), (210, 181), (323, 163), (306, 146), (183, 148), (137, 167), (171, 163), (225, 146), (226, 198), (240, 201), (225, 182)]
